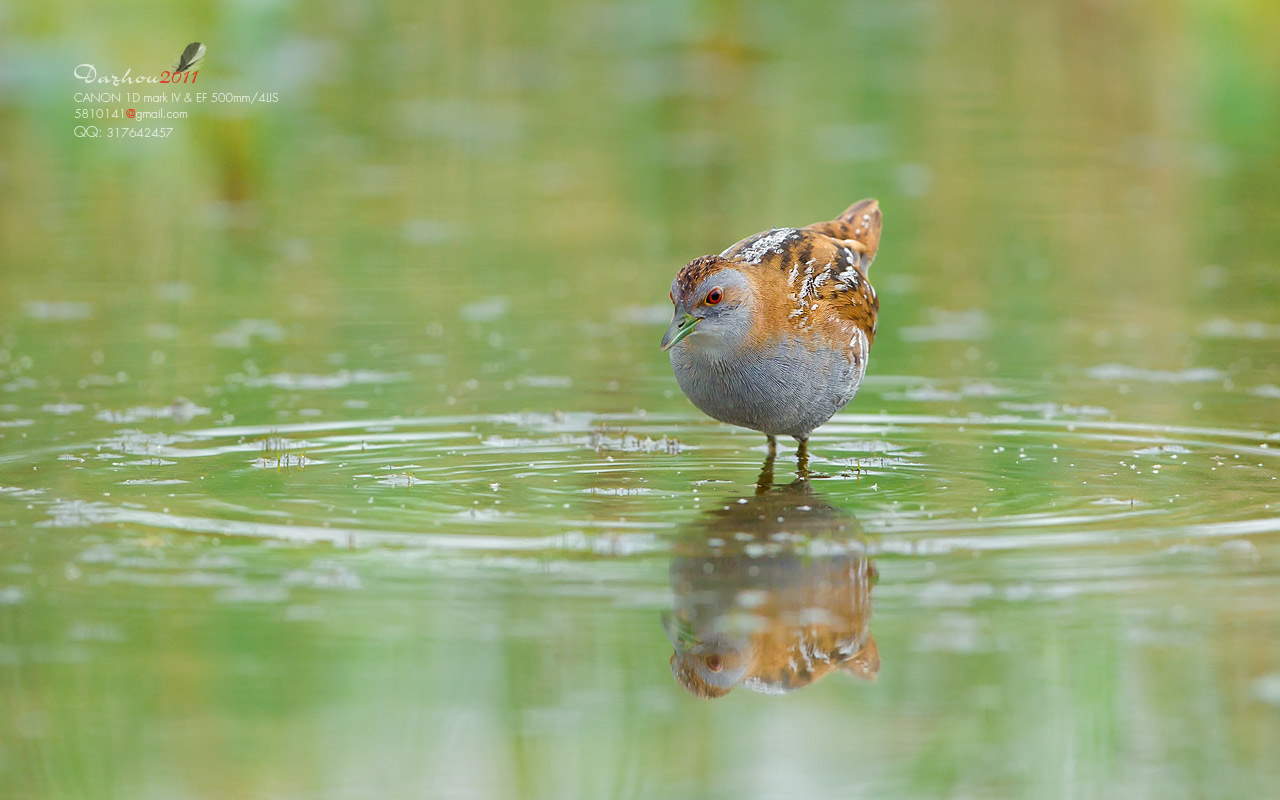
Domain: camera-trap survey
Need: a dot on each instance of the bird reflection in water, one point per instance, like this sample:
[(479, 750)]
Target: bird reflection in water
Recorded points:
[(772, 592)]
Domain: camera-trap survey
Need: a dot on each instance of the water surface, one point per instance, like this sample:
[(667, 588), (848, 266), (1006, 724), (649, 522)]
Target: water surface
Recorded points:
[(338, 458)]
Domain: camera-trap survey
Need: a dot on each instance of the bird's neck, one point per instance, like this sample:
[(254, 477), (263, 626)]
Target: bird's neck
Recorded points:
[(727, 340)]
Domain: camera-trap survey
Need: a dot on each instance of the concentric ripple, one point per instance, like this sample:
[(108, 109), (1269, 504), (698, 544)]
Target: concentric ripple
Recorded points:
[(618, 485)]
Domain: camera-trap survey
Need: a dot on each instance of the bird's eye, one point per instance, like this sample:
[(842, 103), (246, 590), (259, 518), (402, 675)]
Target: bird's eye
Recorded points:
[(714, 296), (672, 295), (714, 663)]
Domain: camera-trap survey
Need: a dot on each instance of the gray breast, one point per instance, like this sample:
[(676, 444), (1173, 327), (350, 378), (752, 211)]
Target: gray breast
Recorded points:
[(785, 390)]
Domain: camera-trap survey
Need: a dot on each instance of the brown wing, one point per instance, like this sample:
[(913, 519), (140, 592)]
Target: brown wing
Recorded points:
[(819, 276)]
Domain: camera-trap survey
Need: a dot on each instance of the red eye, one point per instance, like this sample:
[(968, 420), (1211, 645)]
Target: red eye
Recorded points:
[(714, 663), (714, 296), (672, 295)]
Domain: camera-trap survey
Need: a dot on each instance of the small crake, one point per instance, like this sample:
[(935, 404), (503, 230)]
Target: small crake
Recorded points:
[(774, 333)]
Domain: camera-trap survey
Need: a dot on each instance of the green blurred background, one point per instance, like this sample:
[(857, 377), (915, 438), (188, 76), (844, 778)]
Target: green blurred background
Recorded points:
[(337, 457)]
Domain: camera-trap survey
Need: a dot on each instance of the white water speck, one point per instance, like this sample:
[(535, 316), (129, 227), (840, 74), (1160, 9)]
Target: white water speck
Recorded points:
[(152, 482), (324, 574), (952, 633), (1267, 689), (925, 394), (486, 310), (57, 310), (1160, 450), (180, 411), (242, 333), (427, 231), (1231, 329), (545, 381), (949, 326), (1119, 372), (335, 380), (1049, 410), (400, 480), (61, 409), (645, 315)]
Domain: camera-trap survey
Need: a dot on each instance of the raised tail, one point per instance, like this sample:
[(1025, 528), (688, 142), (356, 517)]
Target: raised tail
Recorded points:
[(858, 228)]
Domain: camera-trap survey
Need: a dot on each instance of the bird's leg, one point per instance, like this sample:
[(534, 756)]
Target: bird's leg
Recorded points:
[(802, 457), (765, 482)]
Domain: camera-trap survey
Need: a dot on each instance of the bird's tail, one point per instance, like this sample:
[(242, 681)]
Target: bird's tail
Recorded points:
[(858, 227)]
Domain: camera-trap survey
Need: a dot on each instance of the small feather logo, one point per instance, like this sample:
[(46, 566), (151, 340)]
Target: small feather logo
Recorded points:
[(190, 57)]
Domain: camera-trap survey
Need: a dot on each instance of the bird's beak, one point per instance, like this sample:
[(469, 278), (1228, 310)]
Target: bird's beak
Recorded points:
[(671, 627), (678, 631), (681, 326)]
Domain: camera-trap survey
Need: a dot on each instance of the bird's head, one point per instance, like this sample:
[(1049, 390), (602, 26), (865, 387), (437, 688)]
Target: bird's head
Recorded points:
[(713, 302), (709, 665)]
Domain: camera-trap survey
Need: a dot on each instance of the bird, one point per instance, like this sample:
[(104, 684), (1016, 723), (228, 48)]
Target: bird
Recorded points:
[(774, 333)]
